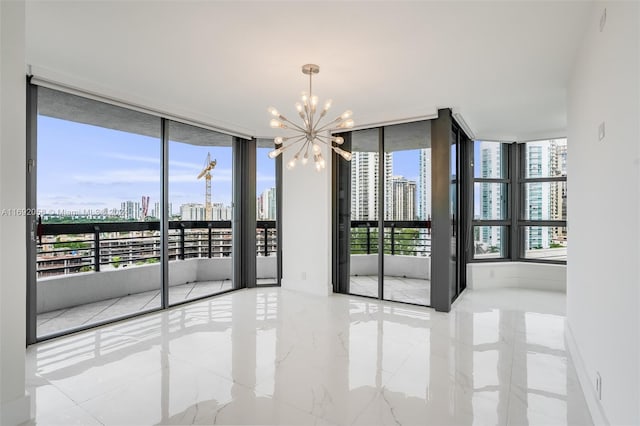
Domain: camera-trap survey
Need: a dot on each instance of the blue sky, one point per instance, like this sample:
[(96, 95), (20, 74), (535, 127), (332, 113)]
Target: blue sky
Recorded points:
[(83, 167), (407, 164)]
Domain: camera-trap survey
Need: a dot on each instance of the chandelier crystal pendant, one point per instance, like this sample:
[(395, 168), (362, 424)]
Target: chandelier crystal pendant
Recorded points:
[(311, 133)]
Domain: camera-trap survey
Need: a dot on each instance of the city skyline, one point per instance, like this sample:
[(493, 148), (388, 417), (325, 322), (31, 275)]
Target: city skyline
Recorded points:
[(407, 185), (119, 166)]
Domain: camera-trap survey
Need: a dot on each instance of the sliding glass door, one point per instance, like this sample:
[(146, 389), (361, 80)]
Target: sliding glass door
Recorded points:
[(365, 184), (200, 213), (97, 248), (135, 212), (394, 201), (407, 212), (266, 215)]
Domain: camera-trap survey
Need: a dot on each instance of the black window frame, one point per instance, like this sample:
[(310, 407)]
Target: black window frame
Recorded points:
[(515, 223), (523, 223)]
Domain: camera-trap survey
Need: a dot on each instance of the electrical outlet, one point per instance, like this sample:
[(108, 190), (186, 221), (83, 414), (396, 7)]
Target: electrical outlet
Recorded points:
[(601, 131), (603, 19), (598, 386)]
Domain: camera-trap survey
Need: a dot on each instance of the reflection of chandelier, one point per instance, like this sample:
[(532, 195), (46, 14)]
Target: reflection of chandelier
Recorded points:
[(310, 133)]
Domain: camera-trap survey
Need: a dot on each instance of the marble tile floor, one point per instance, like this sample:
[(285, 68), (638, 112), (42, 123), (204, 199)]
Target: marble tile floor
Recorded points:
[(78, 316), (399, 289), (272, 356)]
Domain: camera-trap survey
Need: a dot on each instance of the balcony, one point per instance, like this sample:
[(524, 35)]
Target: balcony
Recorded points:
[(407, 260), (93, 272)]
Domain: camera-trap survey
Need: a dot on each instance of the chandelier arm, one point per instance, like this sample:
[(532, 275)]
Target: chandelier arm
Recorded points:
[(295, 141), (284, 148), (292, 123), (325, 127), (328, 139), (317, 122), (320, 140), (300, 150)]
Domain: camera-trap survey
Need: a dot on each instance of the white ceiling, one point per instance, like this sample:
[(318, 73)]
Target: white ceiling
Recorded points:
[(503, 65)]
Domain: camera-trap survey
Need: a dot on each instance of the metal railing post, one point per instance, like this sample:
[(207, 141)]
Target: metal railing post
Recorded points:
[(210, 239), (368, 239), (266, 239), (393, 238), (181, 241), (96, 248)]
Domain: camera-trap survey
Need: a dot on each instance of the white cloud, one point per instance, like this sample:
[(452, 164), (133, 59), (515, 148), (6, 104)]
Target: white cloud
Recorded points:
[(152, 160), (132, 176)]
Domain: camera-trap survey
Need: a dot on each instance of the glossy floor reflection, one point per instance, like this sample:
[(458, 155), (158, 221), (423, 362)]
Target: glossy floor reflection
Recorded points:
[(270, 356), (398, 289), (90, 313)]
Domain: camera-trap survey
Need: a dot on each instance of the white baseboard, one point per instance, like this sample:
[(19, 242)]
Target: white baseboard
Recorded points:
[(595, 408), (16, 411)]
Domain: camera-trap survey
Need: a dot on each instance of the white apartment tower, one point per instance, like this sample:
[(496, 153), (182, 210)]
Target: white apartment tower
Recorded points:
[(424, 185), (266, 205), (491, 201), (364, 185), (403, 199)]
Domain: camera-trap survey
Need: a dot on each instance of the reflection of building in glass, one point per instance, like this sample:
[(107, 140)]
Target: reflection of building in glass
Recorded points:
[(266, 205), (424, 185)]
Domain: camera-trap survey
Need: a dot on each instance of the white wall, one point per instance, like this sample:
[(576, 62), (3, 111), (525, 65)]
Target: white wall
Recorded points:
[(306, 227), (529, 275), (14, 404), (603, 180)]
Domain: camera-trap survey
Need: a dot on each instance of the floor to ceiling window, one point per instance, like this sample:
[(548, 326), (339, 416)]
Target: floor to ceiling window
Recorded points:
[(136, 212), (365, 182), (98, 188), (200, 199), (384, 199), (407, 213), (266, 215)]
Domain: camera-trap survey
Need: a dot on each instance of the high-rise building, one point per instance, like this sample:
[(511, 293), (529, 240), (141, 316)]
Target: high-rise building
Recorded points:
[(192, 211), (491, 202), (402, 205), (130, 210), (364, 184), (266, 205), (424, 185), (541, 199), (221, 212), (155, 212)]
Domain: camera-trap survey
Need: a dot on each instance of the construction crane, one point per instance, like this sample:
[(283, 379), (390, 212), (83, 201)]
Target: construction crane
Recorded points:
[(206, 172)]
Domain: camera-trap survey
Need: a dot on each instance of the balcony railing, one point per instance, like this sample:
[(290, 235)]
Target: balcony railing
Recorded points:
[(408, 238), (82, 247)]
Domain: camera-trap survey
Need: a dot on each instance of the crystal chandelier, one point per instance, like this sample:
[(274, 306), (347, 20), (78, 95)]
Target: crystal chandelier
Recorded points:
[(311, 134)]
